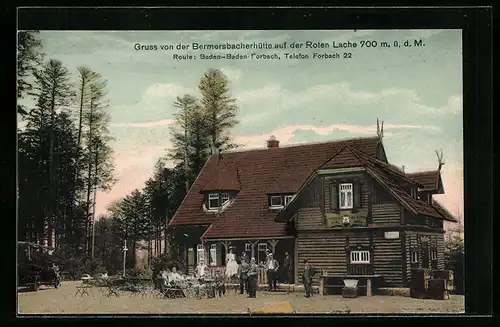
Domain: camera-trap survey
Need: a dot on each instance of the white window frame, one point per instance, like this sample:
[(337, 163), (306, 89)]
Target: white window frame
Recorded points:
[(262, 248), (224, 198), (213, 196), (200, 253), (288, 199), (248, 247), (345, 189), (274, 205), (434, 254), (414, 256), (360, 257)]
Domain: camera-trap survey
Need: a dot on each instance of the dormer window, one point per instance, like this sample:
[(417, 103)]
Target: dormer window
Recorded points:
[(216, 200), (276, 201), (224, 197), (213, 201), (288, 199)]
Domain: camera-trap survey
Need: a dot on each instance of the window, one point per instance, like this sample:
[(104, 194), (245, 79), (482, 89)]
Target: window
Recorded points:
[(213, 254), (213, 201), (224, 198), (190, 257), (248, 247), (345, 196), (276, 201), (360, 257), (414, 256), (434, 254), (262, 246), (200, 253), (288, 199)]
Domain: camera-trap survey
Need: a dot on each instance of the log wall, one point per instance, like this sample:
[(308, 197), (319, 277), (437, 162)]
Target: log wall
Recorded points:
[(386, 213), (388, 259), (325, 251)]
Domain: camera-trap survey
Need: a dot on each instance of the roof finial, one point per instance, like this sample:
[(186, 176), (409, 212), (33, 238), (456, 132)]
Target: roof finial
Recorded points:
[(380, 130), (439, 155)]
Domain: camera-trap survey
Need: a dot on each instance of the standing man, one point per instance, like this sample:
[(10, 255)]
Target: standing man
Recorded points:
[(307, 276), (253, 272), (243, 273), (287, 268), (272, 272)]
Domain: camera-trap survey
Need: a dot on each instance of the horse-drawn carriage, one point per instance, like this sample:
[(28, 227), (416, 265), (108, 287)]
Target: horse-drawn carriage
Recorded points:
[(36, 266)]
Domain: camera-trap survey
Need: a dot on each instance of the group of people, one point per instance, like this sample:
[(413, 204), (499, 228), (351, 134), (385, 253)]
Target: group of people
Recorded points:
[(248, 272)]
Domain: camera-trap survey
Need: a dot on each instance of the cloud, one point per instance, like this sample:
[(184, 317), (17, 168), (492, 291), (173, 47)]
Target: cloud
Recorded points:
[(286, 134), (163, 122), (232, 74), (134, 165), (424, 34), (155, 104)]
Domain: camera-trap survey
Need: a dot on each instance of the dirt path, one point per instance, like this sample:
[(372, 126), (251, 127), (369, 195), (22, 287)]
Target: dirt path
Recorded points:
[(64, 301)]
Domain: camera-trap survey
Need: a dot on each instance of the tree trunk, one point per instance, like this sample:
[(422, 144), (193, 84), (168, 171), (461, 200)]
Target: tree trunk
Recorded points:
[(89, 176)]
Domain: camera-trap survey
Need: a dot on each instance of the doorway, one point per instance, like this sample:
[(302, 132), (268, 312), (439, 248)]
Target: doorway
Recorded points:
[(425, 255)]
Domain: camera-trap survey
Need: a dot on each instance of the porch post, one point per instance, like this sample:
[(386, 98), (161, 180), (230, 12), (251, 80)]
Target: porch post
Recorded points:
[(273, 244), (253, 248)]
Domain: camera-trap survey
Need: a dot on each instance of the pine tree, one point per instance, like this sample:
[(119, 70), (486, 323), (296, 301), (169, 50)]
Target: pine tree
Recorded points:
[(219, 107), (55, 93), (29, 57)]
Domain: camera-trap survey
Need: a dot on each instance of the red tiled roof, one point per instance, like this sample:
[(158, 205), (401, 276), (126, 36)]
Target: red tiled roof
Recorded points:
[(226, 177), (260, 172), (443, 211), (428, 179), (373, 167), (343, 159)]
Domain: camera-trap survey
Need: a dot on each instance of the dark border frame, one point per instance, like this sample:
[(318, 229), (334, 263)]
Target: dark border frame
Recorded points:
[(476, 24)]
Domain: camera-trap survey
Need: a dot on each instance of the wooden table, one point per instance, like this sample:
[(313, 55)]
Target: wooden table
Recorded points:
[(369, 278)]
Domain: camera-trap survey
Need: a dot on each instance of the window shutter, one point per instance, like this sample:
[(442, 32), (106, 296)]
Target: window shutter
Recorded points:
[(334, 196), (357, 194)]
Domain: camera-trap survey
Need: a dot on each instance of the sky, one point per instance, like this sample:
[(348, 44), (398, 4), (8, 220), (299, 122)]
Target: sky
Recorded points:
[(416, 91)]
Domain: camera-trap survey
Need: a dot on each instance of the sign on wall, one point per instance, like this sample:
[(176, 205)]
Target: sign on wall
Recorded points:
[(391, 235)]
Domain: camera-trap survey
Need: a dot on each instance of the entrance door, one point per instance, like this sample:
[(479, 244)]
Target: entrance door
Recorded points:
[(425, 255)]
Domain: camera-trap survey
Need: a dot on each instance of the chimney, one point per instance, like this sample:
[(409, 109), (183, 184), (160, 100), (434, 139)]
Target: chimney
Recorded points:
[(273, 142)]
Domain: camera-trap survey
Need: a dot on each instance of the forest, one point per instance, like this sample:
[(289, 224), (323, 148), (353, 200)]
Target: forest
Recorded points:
[(65, 157)]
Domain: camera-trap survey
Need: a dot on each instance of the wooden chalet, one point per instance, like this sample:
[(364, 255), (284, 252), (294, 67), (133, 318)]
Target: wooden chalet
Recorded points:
[(339, 204)]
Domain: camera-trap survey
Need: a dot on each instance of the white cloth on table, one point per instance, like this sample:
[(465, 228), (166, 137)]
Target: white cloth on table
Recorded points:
[(232, 265)]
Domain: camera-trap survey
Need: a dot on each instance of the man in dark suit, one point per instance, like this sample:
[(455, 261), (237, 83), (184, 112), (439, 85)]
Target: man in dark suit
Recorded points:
[(287, 269), (307, 276), (243, 273), (253, 273)]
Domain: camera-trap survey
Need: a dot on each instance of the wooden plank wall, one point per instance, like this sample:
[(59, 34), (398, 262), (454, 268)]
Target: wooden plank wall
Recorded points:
[(408, 243), (388, 260), (310, 219), (325, 251), (440, 247), (386, 213)]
